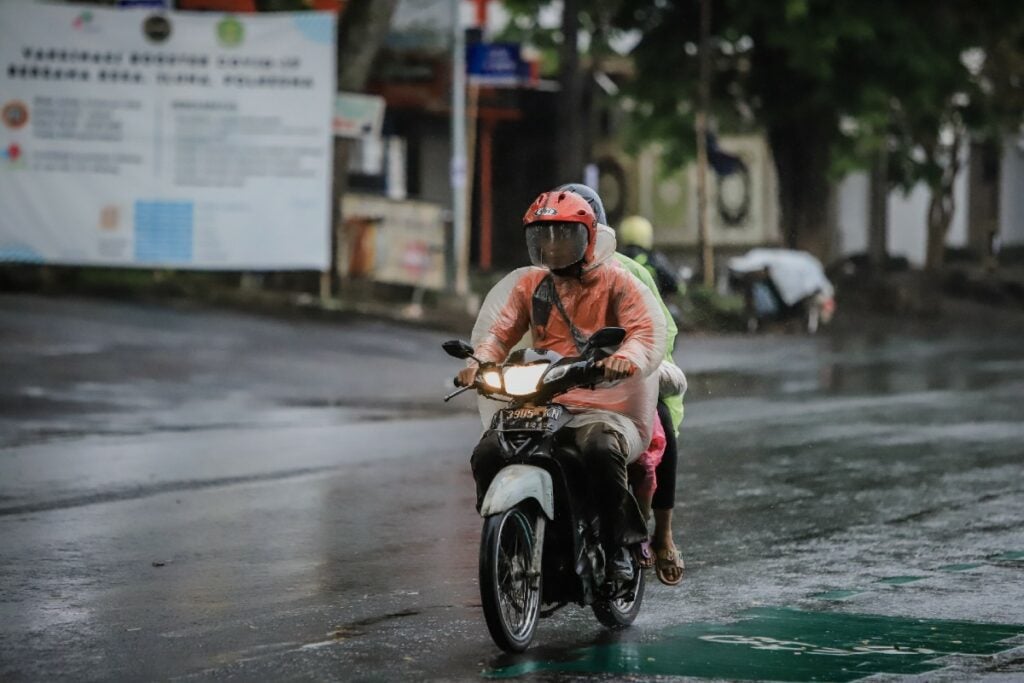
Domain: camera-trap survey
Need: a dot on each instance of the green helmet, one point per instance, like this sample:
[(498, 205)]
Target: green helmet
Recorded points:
[(636, 230)]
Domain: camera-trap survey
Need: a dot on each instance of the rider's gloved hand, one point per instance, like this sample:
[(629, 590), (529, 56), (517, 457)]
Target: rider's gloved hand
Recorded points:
[(466, 376), (616, 368)]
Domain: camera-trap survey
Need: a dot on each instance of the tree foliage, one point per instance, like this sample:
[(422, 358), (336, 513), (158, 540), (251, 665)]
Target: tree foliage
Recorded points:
[(832, 81)]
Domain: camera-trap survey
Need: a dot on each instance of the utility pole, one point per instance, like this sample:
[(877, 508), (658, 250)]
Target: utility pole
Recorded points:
[(703, 106), (459, 253)]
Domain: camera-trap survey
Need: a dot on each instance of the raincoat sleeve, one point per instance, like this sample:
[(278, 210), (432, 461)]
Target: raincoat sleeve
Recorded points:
[(671, 379), (642, 274), (503, 319), (638, 312)]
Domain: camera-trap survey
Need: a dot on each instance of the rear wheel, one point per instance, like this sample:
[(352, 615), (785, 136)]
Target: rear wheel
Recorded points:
[(510, 593), (621, 612)]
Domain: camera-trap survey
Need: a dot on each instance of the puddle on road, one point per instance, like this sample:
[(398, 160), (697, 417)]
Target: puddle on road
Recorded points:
[(837, 594), (850, 377), (377, 409), (1012, 556), (783, 645), (960, 567), (900, 580)]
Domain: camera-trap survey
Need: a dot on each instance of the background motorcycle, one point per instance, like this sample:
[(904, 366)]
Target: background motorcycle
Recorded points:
[(540, 544)]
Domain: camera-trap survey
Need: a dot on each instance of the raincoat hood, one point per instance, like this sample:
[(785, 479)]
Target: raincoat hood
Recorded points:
[(604, 247)]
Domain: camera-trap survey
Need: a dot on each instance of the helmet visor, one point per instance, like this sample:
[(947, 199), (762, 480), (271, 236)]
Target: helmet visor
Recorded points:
[(556, 245)]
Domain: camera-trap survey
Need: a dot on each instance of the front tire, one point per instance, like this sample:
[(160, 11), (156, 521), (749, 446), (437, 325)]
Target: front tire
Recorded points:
[(509, 593), (619, 614)]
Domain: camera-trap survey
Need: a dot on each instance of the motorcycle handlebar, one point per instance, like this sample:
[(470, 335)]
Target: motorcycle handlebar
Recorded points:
[(582, 373), (476, 379)]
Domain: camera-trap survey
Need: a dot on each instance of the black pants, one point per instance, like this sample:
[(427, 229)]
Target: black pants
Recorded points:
[(665, 474), (603, 451)]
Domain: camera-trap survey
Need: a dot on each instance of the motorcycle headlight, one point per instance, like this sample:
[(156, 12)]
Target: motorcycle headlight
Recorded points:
[(522, 380), (492, 378)]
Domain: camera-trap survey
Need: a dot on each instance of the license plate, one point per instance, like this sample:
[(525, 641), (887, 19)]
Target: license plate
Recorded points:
[(526, 413), (527, 418)]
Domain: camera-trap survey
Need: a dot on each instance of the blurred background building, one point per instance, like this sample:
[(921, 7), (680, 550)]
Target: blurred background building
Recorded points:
[(521, 91)]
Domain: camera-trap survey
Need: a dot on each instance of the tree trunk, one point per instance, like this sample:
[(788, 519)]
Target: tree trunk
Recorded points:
[(362, 28), (878, 216), (802, 158), (940, 215), (707, 254), (941, 207), (570, 114)]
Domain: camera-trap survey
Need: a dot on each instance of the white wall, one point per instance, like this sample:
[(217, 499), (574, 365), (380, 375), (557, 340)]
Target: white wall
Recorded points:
[(907, 214), (853, 213)]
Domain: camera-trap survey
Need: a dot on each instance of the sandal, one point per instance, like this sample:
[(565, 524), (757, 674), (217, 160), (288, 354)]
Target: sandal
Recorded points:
[(666, 560)]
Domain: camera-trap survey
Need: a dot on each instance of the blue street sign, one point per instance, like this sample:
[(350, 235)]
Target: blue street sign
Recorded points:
[(496, 63)]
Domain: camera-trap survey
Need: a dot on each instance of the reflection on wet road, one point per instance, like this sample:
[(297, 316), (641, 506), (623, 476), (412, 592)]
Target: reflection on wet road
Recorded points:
[(785, 645), (200, 494)]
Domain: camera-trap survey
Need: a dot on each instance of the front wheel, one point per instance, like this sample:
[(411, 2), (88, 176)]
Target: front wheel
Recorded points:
[(509, 589), (622, 611)]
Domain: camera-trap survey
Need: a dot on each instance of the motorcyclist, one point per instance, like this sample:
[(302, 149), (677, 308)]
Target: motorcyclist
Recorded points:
[(571, 291), (636, 240), (638, 232)]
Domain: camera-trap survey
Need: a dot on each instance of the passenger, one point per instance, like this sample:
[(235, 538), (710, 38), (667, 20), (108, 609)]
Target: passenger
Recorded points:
[(638, 238)]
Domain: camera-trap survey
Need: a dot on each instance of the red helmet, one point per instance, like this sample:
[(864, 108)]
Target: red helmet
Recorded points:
[(561, 230)]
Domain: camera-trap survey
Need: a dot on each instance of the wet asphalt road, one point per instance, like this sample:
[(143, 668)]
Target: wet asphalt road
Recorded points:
[(207, 495)]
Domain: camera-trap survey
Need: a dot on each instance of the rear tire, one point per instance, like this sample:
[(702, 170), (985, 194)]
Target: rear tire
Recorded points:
[(510, 596), (619, 614)]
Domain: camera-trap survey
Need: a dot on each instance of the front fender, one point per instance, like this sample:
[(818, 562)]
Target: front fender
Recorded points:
[(516, 483)]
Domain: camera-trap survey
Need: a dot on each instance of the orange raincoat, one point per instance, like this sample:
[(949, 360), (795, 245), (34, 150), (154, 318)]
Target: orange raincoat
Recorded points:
[(605, 295)]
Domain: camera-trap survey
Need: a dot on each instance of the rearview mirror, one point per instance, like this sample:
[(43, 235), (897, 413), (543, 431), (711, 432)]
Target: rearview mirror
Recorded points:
[(606, 336), (457, 348)]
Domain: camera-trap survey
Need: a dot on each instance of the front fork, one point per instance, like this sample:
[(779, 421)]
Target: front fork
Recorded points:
[(538, 550)]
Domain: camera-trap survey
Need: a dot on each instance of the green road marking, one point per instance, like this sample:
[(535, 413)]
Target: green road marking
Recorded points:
[(959, 567), (783, 645), (900, 580), (837, 594), (1012, 555)]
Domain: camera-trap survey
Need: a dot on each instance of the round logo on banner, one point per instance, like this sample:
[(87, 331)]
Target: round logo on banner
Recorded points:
[(230, 32), (12, 153), (157, 28), (14, 114)]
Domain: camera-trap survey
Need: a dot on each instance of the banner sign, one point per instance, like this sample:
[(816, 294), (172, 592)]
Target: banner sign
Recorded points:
[(400, 242), (187, 140), (358, 116)]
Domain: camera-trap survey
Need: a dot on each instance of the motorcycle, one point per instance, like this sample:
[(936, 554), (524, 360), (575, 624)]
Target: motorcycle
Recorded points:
[(780, 285), (540, 545)]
